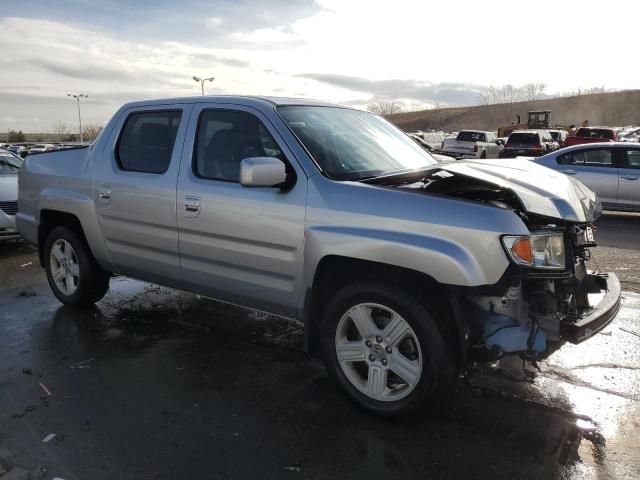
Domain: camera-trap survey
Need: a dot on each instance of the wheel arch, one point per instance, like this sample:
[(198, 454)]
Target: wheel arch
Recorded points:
[(334, 272), (50, 219)]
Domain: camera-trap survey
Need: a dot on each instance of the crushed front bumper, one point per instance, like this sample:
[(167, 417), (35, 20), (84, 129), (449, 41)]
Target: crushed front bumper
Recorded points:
[(600, 316)]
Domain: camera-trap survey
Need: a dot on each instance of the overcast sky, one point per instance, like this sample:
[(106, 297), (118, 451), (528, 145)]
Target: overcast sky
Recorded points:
[(347, 51)]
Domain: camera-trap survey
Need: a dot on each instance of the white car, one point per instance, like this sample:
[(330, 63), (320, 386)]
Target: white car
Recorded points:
[(473, 144), (9, 167)]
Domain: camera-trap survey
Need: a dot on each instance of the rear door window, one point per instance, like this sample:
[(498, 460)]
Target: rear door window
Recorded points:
[(147, 140), (633, 158)]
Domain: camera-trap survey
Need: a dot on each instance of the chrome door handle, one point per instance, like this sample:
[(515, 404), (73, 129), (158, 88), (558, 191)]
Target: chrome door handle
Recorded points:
[(569, 172), (629, 177), (191, 206), (104, 194)]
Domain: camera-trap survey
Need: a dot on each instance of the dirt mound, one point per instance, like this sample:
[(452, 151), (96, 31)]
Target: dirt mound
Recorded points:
[(612, 109)]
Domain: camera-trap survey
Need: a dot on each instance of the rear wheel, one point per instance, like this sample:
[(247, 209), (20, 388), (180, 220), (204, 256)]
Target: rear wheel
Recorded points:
[(73, 274), (483, 154), (384, 349)]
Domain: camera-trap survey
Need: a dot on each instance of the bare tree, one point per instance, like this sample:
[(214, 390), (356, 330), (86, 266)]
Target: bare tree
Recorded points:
[(504, 94), (90, 132), (533, 91), (60, 129), (385, 108)]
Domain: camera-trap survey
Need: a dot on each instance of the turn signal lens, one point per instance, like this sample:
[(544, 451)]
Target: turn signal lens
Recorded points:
[(521, 250)]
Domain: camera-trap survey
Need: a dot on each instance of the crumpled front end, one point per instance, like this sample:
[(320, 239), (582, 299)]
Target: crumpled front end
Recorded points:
[(533, 310)]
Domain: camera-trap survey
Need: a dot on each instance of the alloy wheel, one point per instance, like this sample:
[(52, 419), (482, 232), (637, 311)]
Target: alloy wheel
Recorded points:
[(65, 269), (378, 352)]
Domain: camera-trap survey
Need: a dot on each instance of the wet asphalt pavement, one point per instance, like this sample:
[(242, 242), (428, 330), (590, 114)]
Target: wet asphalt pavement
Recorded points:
[(172, 386)]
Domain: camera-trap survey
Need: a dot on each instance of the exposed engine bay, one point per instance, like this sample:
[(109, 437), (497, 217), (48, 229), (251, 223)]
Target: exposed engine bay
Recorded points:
[(542, 300)]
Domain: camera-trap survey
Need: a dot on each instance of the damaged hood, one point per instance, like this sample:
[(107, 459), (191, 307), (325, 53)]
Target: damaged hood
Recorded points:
[(541, 190)]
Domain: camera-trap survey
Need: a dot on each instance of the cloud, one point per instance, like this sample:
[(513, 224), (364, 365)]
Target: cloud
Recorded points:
[(214, 22), (202, 21), (450, 93), (267, 36), (83, 70), (8, 119), (205, 58)]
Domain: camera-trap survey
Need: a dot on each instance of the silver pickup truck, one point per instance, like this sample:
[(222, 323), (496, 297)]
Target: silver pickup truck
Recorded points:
[(401, 268)]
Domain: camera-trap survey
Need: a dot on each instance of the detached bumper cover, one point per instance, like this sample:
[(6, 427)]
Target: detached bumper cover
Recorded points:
[(600, 316)]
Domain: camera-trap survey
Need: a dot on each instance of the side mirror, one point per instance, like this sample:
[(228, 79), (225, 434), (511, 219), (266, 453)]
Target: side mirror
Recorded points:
[(262, 172), (498, 142)]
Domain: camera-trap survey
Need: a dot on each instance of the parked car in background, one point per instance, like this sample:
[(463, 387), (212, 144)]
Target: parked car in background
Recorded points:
[(19, 150), (629, 134), (591, 135), (39, 148), (434, 152), (9, 168), (398, 265), (473, 144), (559, 136), (612, 170), (528, 143)]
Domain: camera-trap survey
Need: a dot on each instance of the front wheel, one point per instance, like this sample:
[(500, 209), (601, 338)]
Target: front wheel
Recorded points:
[(73, 274), (384, 349)]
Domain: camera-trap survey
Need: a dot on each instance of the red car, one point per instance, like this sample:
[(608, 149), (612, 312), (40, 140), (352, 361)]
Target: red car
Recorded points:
[(591, 135)]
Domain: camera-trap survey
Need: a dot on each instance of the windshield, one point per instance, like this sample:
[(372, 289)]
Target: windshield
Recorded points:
[(351, 144), (9, 164), (471, 137)]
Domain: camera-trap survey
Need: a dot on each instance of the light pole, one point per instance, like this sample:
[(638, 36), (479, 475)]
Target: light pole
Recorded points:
[(78, 97), (202, 80)]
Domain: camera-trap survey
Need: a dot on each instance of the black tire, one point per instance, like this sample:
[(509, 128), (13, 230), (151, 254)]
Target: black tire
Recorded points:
[(93, 281), (483, 155), (438, 371)]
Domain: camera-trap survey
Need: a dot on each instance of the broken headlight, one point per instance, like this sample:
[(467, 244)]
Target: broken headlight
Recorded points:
[(538, 250)]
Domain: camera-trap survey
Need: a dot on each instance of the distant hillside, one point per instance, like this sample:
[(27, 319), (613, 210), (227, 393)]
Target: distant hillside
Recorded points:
[(612, 109)]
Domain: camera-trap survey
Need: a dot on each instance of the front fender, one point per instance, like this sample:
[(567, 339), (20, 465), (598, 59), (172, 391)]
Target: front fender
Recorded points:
[(445, 260)]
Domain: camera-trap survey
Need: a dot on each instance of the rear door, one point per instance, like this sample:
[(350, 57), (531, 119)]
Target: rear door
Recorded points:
[(135, 196), (240, 245), (596, 168), (629, 178)]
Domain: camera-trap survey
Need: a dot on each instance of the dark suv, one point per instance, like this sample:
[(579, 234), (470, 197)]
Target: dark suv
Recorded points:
[(529, 143)]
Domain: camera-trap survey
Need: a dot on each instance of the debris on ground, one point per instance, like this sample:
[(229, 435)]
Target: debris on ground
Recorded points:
[(26, 264), (82, 364), (46, 390), (48, 438), (292, 468), (17, 473), (27, 293), (630, 331), (27, 371)]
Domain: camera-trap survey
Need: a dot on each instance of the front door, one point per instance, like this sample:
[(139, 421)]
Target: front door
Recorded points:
[(238, 244), (135, 196)]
